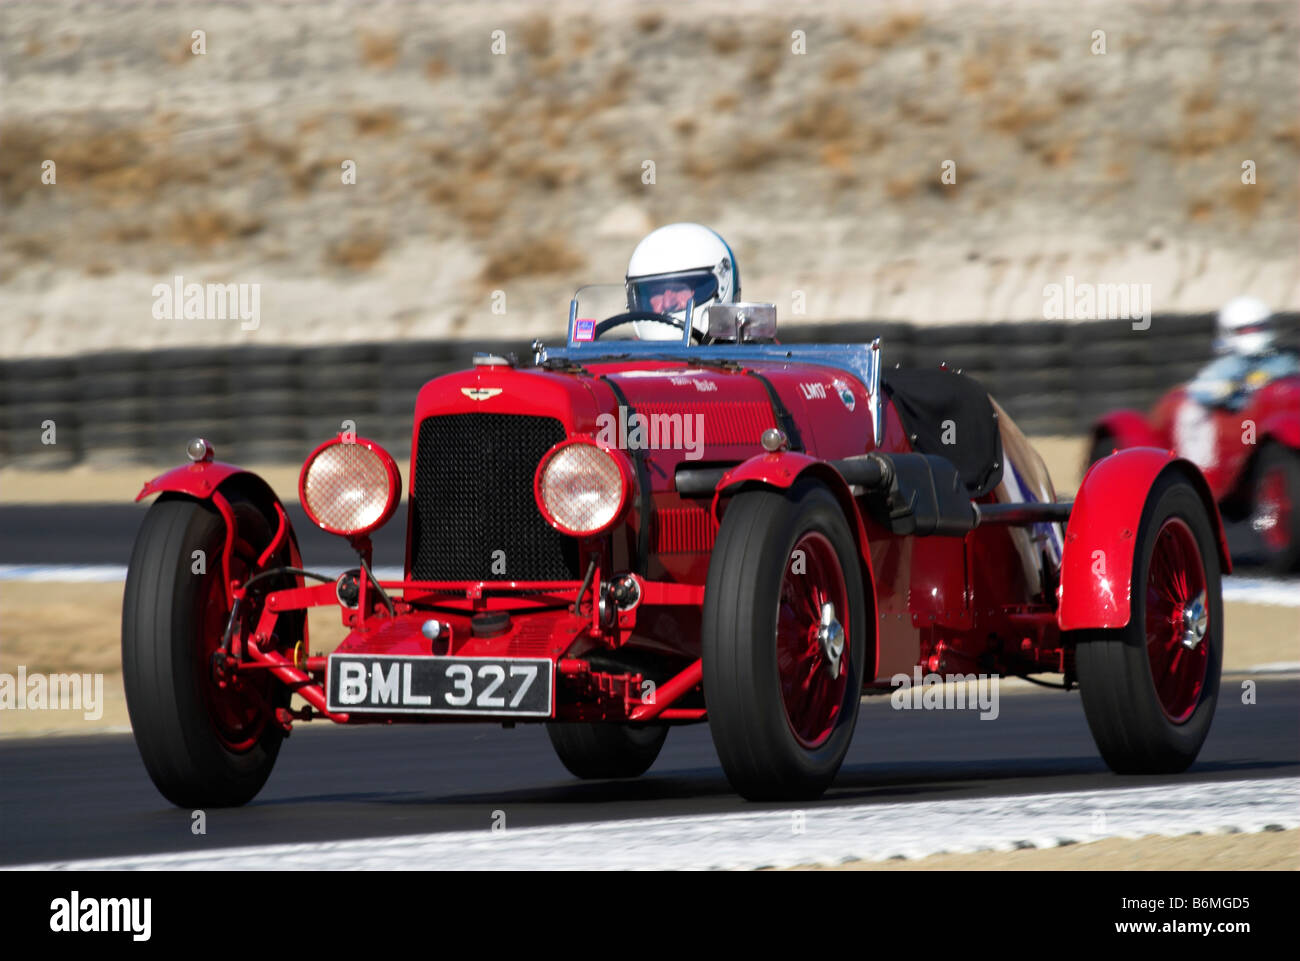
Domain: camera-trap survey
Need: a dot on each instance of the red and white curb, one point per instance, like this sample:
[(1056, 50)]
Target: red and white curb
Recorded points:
[(819, 835)]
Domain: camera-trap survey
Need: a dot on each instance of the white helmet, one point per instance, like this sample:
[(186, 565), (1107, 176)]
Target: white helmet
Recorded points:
[(1245, 327), (674, 264)]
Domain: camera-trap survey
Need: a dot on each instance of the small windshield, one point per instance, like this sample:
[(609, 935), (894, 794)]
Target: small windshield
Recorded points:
[(665, 293)]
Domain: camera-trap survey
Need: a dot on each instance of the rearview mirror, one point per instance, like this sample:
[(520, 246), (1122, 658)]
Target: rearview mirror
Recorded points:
[(740, 322)]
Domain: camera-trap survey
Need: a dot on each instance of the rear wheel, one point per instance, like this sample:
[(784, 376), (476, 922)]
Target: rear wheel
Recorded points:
[(785, 620), (1275, 514), (1149, 689), (600, 751), (204, 743)]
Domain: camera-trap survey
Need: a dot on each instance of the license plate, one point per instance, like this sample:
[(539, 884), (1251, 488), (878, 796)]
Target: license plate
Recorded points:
[(384, 684)]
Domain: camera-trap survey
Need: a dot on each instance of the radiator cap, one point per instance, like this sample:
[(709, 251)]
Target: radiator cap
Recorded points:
[(491, 360)]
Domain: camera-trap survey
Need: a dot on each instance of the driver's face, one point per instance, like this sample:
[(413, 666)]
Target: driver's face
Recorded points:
[(674, 298)]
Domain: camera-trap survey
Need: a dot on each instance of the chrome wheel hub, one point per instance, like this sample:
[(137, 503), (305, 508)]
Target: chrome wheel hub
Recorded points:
[(830, 637), (1195, 619)]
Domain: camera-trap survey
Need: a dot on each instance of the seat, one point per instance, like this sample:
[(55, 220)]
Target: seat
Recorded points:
[(950, 415)]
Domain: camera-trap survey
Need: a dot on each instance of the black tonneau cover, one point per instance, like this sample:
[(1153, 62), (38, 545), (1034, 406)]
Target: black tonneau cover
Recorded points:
[(950, 415)]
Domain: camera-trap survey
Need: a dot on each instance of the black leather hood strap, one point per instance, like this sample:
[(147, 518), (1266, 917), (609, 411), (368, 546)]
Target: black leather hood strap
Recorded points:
[(780, 412), (642, 481)]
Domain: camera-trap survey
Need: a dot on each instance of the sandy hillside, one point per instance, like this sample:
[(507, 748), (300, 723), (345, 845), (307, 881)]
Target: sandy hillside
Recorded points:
[(523, 172)]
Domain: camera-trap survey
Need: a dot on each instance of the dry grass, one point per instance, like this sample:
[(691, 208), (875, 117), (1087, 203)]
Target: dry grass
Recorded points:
[(1246, 199), (976, 75), (376, 121), (891, 31), (205, 228), (1200, 209), (531, 257), (380, 50), (357, 251), (1265, 851), (650, 21), (1212, 131), (1013, 115), (843, 72), (536, 34), (725, 42)]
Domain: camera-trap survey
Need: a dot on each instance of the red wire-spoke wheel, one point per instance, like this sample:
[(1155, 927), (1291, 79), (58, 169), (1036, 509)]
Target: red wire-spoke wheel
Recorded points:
[(1149, 689), (812, 639), (1177, 620), (1275, 517), (238, 705), (207, 734), (783, 641)]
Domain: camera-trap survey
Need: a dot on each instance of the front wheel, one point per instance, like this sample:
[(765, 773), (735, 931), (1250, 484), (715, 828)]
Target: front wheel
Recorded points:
[(1275, 515), (783, 639), (599, 751), (1149, 689), (204, 743)]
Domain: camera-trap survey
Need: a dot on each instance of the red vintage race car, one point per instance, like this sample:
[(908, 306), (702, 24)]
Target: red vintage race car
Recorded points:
[(1249, 454), (626, 535)]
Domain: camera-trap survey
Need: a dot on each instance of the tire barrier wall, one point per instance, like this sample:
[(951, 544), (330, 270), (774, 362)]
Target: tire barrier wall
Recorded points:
[(269, 404)]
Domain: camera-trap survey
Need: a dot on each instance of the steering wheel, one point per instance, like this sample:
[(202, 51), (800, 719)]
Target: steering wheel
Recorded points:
[(618, 320)]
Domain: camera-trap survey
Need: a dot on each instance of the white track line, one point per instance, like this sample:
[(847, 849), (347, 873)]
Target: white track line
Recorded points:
[(772, 838)]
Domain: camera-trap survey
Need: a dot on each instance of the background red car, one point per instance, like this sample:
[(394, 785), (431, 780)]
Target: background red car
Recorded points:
[(1250, 457)]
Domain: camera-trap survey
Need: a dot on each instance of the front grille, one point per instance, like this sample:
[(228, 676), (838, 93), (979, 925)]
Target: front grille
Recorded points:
[(473, 496)]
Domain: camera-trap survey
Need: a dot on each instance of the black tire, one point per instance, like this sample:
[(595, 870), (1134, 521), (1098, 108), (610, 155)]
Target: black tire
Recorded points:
[(602, 751), (1134, 732), (1275, 501), (763, 756), (167, 613)]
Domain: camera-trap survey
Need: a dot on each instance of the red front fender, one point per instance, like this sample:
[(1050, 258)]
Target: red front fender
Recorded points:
[(781, 470), (213, 481), (1097, 563)]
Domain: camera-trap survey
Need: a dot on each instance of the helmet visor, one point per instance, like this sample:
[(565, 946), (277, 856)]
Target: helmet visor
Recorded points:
[(670, 293)]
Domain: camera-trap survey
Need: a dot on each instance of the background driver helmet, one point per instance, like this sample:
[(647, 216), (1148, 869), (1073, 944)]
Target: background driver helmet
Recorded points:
[(674, 264), (1245, 327)]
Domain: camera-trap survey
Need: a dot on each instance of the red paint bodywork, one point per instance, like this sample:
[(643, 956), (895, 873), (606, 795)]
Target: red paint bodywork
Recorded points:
[(983, 602), (1097, 566)]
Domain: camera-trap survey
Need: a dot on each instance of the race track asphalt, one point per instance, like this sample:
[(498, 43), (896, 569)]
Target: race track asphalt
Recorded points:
[(83, 797), (105, 533)]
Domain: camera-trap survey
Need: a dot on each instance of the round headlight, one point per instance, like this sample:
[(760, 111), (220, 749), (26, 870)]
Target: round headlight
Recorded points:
[(582, 489), (349, 487)]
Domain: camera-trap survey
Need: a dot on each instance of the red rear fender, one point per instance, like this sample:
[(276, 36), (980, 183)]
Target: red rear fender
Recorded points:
[(1098, 560)]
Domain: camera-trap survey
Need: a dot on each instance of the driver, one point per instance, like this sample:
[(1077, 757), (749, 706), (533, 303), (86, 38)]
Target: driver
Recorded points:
[(673, 266), (1249, 358)]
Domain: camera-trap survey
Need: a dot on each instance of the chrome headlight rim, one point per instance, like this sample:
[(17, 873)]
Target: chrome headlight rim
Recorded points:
[(626, 477), (391, 473)]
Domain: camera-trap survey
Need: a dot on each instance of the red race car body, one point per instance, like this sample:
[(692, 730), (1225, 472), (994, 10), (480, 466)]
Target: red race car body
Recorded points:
[(623, 536)]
